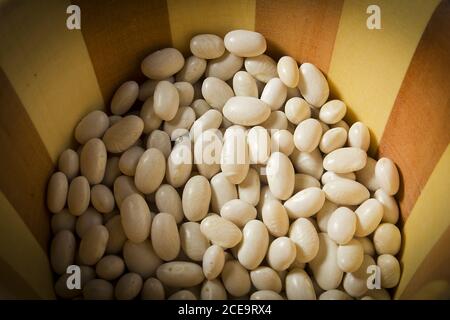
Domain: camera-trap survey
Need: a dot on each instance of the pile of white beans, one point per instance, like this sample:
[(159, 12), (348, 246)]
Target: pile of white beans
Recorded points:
[(290, 207)]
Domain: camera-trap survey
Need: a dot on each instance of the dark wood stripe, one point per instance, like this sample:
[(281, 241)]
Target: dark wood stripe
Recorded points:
[(303, 29), (118, 36), (417, 132), (25, 162), (432, 277), (13, 286)]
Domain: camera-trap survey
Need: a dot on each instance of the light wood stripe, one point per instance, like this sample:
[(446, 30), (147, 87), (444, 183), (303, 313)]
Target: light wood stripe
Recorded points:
[(432, 278), (191, 17), (24, 267), (425, 257), (49, 68), (118, 36), (417, 132), (25, 163), (304, 29), (368, 66)]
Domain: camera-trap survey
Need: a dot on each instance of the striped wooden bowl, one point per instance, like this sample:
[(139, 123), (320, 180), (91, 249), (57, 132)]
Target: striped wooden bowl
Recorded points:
[(396, 80)]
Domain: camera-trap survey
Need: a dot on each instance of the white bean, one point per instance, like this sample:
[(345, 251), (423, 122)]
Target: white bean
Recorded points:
[(216, 92), (280, 175), (213, 290), (334, 294), (165, 237), (244, 85), (258, 141), (213, 262), (79, 195), (160, 140), (147, 88), (299, 285), (262, 67), (128, 286), (57, 190), (307, 135), (93, 160), (387, 239), (149, 117), (246, 111), (221, 231), (390, 270), (236, 278), (211, 119), (333, 111), (152, 290), (234, 158), (324, 215), (129, 160), (313, 85), (390, 206), (265, 295), (179, 163), (282, 141), (150, 171), (141, 258), (366, 175), (136, 218), (93, 125), (387, 176), (69, 163), (193, 242), (281, 253), (180, 274), (368, 217), (342, 225), (304, 235), (62, 251), (274, 93), (196, 198), (345, 160), (166, 100), (207, 46), (345, 192), (265, 278), (297, 110), (276, 121), (359, 136), (124, 97), (122, 135), (305, 203), (245, 43), (324, 266), (254, 244), (350, 256), (224, 67), (222, 191), (331, 176), (307, 162), (249, 188), (288, 71), (238, 211), (193, 69), (162, 64), (355, 283), (275, 218), (333, 139)]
